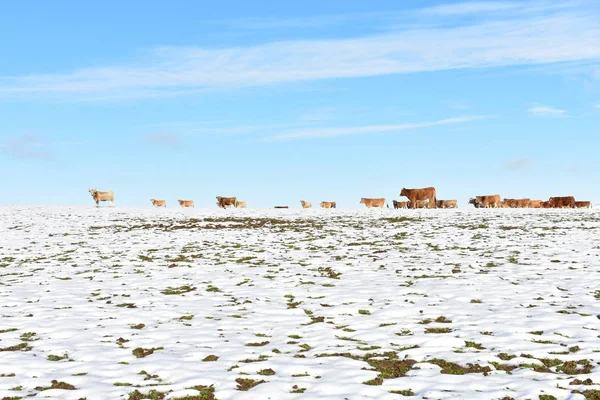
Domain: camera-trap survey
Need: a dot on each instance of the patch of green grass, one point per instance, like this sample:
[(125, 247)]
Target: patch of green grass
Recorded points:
[(474, 345), (297, 389), (245, 384), (52, 357), (205, 393), (406, 392), (178, 290), (17, 347), (140, 352), (152, 395), (257, 344), (364, 312), (438, 330), (210, 358), (266, 372), (56, 385), (456, 369)]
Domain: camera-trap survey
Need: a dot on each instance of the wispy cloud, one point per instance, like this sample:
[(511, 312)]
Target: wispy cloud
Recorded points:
[(494, 7), (164, 139), (313, 133), (546, 111), (517, 164), (509, 40), (27, 146)]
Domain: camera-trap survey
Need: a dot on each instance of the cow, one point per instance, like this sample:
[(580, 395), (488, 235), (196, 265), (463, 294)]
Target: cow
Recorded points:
[(328, 204), (447, 204), (490, 201), (418, 204), (523, 203), (562, 202), (103, 196), (224, 202), (508, 203), (158, 203), (240, 204), (475, 203), (583, 204), (420, 194), (373, 202), (535, 204), (399, 204), (545, 204), (306, 204), (186, 203), (282, 207)]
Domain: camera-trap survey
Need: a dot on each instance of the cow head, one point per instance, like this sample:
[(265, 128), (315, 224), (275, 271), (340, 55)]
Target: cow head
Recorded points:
[(403, 192), (93, 192), (362, 201)]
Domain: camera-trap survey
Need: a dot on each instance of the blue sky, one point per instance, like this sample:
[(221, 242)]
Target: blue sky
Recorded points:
[(275, 103)]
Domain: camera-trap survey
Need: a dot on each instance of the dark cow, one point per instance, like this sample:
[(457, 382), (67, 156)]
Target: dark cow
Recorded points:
[(490, 201), (562, 202), (224, 202)]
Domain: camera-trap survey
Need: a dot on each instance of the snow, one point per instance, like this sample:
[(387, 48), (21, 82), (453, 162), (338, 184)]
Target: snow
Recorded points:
[(310, 294)]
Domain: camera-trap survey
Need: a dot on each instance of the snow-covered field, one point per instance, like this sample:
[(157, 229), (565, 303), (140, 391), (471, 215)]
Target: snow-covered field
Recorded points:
[(117, 303)]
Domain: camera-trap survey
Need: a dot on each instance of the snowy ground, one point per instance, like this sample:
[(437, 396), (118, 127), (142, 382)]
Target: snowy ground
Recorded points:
[(117, 303)]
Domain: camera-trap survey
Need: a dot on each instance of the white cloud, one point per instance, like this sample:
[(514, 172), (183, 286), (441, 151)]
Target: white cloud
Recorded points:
[(474, 7), (517, 164), (555, 37), (312, 133), (493, 7), (546, 111), (27, 146)]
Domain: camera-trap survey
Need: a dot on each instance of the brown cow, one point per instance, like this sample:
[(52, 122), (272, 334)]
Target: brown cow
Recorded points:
[(103, 196), (373, 202), (515, 203), (240, 204), (583, 204), (535, 204), (447, 204), (420, 194), (224, 202), (186, 203), (306, 204), (508, 203), (328, 204), (562, 202), (418, 204), (158, 203), (490, 201), (545, 204), (399, 204)]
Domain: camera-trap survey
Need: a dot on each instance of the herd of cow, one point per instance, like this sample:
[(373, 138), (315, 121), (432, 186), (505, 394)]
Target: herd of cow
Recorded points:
[(417, 198)]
